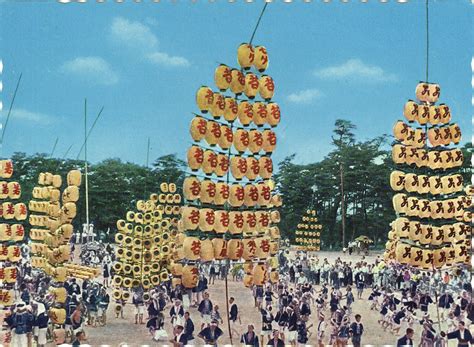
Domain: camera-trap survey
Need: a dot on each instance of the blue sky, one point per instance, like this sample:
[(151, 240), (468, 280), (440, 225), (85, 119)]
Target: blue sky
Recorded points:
[(145, 61)]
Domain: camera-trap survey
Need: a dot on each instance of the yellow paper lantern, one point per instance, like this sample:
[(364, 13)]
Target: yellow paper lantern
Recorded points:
[(192, 248), (266, 87), (221, 224), (260, 113), (237, 85), (223, 77), (222, 165), (253, 168), (190, 217), (235, 249), (198, 128), (266, 167), (427, 92), (255, 141), (241, 140), (445, 113), (74, 178), (245, 55), (236, 195), (238, 167), (250, 222), (206, 219), (204, 98), (397, 180), (250, 195), (191, 188), (261, 58), (250, 247), (259, 274), (218, 105), (210, 162), (245, 112), (401, 131), (190, 276), (222, 193), (236, 222), (220, 248), (410, 111), (273, 114), (269, 141), (435, 115), (264, 194), (208, 191), (227, 137), (231, 108), (195, 158)]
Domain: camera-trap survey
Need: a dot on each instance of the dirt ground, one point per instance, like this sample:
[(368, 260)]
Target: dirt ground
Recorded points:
[(121, 332)]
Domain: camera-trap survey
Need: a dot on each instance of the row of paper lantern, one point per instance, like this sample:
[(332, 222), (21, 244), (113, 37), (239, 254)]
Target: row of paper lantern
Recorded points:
[(437, 136), (234, 249), (248, 56), (52, 194), (309, 226), (55, 256), (10, 211), (11, 232), (211, 162), (156, 219), (187, 275), (308, 233), (6, 168), (249, 84), (82, 271), (162, 200), (222, 221), (434, 209), (307, 241), (73, 178), (52, 221), (259, 274), (309, 219), (403, 228), (143, 244), (427, 92), (8, 274), (258, 113), (146, 281), (10, 253), (126, 251), (60, 236), (424, 114), (235, 194), (214, 133), (137, 269), (164, 229), (421, 158), (58, 273), (426, 258), (10, 190), (424, 184)]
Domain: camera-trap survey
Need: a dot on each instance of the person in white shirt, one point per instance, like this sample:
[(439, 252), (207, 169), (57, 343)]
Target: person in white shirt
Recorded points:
[(321, 329)]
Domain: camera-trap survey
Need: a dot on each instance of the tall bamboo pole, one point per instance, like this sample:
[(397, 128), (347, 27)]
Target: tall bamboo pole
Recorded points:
[(85, 164)]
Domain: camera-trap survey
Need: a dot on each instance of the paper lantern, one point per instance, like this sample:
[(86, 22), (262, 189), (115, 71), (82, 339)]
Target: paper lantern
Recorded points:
[(260, 113), (227, 137), (198, 128), (424, 208), (222, 193), (435, 160), (14, 254), (236, 222), (222, 165), (195, 158), (209, 163), (14, 190), (250, 195), (399, 154), (237, 85), (269, 141), (275, 216), (6, 168), (411, 182), (172, 187), (423, 184), (218, 105), (264, 194), (223, 77), (422, 159), (266, 87), (402, 227), (435, 136), (455, 132), (70, 194), (21, 211), (266, 167), (191, 188), (207, 251), (276, 200), (250, 247), (241, 140), (428, 259), (221, 223), (397, 180), (400, 131), (74, 178), (208, 191), (449, 209), (410, 111), (255, 141), (436, 185), (8, 210), (400, 203), (245, 113), (253, 168), (458, 183), (445, 113), (251, 85), (403, 253), (192, 248), (439, 258), (235, 249), (231, 109), (190, 276), (416, 257), (419, 138), (261, 58), (273, 114), (204, 98), (245, 55), (236, 195), (423, 114), (238, 167), (206, 219), (457, 156), (220, 248), (248, 281), (250, 222), (190, 217), (4, 191), (435, 115), (413, 207), (263, 248), (437, 209), (438, 236), (213, 133), (259, 274), (426, 234), (427, 92)]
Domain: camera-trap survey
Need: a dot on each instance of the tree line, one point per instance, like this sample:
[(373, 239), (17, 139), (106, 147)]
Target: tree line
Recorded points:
[(349, 188)]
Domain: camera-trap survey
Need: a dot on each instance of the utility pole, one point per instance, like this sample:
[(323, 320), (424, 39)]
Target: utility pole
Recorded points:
[(343, 207)]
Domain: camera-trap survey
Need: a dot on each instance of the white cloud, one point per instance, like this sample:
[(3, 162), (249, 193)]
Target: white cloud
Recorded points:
[(305, 96), (93, 69), (167, 60), (30, 116), (356, 69), (133, 34)]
